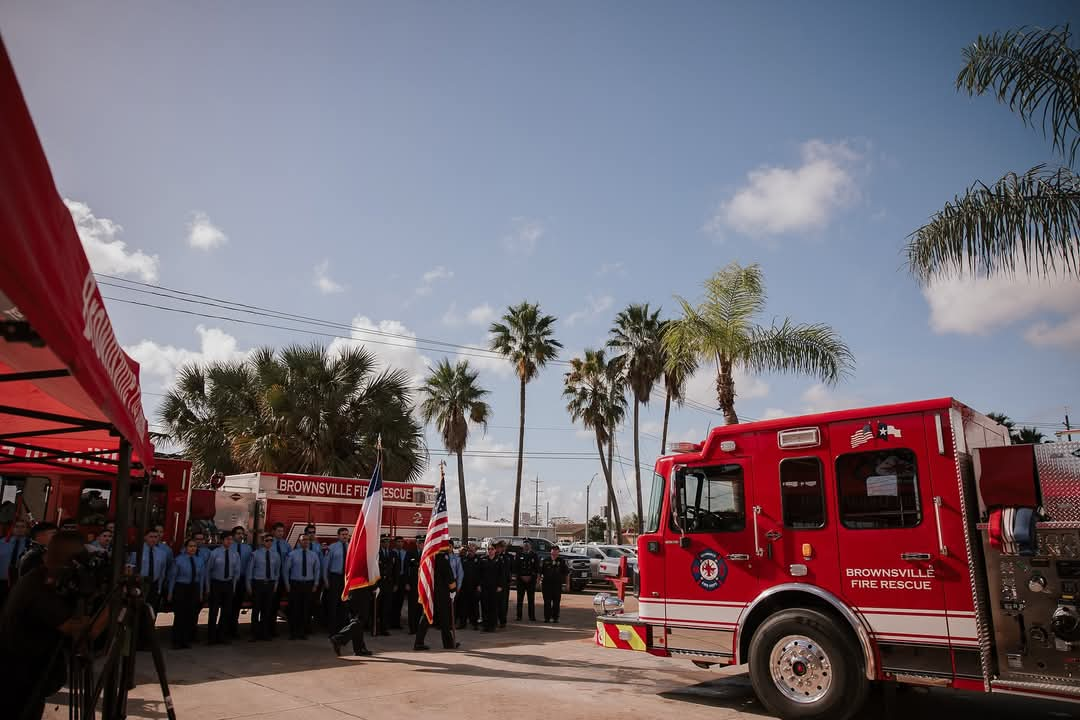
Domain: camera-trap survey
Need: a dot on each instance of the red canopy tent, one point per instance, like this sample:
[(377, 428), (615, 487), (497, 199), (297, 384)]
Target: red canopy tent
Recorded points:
[(69, 395)]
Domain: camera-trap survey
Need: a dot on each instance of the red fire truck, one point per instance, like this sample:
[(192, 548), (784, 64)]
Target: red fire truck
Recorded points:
[(907, 543), (83, 491), (259, 500)]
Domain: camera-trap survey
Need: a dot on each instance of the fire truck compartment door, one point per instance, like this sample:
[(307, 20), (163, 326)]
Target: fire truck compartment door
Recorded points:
[(888, 547), (711, 563)]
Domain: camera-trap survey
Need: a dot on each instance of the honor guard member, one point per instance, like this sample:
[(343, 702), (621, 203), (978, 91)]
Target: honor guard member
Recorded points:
[(11, 551), (360, 604), (34, 556), (553, 574), (388, 573), (243, 549), (444, 590), (412, 589), (506, 566), (334, 581), (399, 584), (489, 587), (466, 605), (263, 574), (154, 568), (302, 577), (222, 573), (526, 566), (185, 592)]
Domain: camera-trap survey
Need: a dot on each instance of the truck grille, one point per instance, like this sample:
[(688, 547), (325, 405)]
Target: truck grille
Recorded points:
[(579, 564)]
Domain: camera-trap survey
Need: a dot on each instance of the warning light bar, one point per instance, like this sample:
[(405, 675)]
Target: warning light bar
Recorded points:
[(684, 447)]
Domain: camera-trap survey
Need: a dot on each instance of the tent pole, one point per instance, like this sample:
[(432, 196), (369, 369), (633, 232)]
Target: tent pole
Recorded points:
[(111, 696)]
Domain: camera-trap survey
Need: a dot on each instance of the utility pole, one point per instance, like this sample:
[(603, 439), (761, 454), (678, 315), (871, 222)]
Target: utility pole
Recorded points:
[(548, 513), (486, 515), (536, 509)]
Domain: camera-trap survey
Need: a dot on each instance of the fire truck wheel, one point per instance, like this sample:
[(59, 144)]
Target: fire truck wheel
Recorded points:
[(803, 666)]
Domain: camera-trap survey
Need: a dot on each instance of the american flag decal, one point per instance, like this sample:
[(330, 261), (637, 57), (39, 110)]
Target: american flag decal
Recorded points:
[(863, 436), (437, 540)]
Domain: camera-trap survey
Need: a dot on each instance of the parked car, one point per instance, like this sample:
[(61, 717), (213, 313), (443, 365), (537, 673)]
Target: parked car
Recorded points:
[(604, 560)]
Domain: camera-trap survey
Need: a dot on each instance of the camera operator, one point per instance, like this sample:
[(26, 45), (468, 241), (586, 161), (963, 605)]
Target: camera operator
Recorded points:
[(40, 535), (34, 627)]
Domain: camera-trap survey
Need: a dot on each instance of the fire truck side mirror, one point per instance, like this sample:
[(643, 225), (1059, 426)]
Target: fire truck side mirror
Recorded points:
[(684, 542), (678, 495)]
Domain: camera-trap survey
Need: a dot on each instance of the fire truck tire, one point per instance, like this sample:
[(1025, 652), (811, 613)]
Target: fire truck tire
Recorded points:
[(805, 666)]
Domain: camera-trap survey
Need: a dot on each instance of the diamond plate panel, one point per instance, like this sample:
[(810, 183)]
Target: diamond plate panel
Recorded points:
[(1058, 465)]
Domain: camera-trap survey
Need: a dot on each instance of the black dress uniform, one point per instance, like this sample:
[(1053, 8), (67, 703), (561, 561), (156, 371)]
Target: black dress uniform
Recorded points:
[(384, 601), (553, 572), (442, 612), (467, 604), (489, 581), (506, 565), (360, 604), (526, 567), (412, 592)]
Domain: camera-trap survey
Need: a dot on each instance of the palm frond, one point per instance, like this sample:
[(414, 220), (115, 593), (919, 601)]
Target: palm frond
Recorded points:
[(1037, 74), (814, 349), (1031, 219)]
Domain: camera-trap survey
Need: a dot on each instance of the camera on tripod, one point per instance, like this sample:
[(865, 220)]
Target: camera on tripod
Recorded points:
[(87, 577)]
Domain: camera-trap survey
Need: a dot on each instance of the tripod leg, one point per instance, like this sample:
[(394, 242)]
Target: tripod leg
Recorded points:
[(159, 667)]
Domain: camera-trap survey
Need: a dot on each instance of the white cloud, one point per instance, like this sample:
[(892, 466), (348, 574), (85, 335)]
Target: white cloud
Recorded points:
[(701, 387), (525, 233), (437, 273), (773, 413), (981, 305), (488, 362), (105, 252), (159, 363), (779, 200), (820, 398), (480, 315), (594, 306), (401, 354), (611, 268), (324, 282), (203, 234)]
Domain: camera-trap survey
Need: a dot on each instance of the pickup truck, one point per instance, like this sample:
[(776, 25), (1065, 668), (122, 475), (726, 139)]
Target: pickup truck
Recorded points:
[(580, 570), (604, 560)]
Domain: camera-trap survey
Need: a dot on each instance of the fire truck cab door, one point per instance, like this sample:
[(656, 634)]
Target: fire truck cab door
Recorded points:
[(710, 563), (888, 549)]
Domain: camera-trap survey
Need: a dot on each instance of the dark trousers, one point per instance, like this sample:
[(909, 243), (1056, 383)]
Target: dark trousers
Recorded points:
[(220, 601), (384, 608), (526, 589), (504, 603), (465, 606), (360, 607), (490, 598), (337, 611), (415, 613), (185, 613), (238, 599), (279, 594), (5, 587), (299, 607), (445, 624), (397, 602), (552, 602), (263, 616)]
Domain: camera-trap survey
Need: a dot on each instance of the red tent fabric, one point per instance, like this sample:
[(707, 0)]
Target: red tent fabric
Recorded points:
[(60, 363)]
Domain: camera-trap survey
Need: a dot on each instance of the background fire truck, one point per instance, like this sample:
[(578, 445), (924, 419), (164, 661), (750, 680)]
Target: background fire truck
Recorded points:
[(905, 543)]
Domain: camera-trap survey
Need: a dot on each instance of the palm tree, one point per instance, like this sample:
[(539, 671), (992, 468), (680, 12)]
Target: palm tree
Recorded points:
[(722, 330), (636, 336), (1031, 218), (595, 395), (680, 364), (453, 400), (525, 338), (1003, 420), (1028, 435), (301, 410)]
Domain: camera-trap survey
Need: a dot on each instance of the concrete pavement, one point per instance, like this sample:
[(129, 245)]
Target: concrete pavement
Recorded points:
[(530, 671)]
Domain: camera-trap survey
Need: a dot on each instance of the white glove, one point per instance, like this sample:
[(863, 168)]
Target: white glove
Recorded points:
[(453, 595)]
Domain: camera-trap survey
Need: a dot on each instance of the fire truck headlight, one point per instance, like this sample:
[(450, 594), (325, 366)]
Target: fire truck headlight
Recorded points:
[(607, 604)]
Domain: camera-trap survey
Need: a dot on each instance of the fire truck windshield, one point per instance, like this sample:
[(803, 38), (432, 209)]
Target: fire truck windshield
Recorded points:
[(711, 499)]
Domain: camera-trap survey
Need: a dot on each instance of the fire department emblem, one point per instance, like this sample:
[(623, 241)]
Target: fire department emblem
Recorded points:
[(709, 570)]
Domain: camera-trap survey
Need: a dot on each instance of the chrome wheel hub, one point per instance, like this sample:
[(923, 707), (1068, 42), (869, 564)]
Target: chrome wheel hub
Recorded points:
[(800, 669)]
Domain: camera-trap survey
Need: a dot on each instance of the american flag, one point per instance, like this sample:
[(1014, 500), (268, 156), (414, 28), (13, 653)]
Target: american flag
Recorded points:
[(437, 540), (861, 437)]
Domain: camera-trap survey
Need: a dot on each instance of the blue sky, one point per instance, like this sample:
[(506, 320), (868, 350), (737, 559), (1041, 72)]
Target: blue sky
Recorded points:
[(417, 167)]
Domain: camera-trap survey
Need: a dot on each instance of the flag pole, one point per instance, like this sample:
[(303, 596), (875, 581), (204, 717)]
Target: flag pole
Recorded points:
[(452, 619)]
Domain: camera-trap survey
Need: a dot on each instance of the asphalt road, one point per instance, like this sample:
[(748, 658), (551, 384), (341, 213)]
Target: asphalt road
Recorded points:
[(529, 670)]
